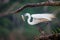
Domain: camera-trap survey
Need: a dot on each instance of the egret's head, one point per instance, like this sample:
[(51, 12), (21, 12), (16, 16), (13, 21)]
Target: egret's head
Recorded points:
[(27, 14)]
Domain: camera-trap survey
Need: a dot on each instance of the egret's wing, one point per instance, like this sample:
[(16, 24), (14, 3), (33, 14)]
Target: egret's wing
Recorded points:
[(39, 16), (36, 15), (36, 21)]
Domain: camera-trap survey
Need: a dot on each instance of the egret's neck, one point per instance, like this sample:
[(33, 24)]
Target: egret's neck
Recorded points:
[(29, 17), (28, 20)]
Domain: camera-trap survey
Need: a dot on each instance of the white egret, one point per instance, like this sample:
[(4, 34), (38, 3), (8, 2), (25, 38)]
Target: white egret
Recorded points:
[(38, 18)]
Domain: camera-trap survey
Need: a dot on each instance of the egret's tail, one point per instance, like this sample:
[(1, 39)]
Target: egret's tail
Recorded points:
[(52, 16)]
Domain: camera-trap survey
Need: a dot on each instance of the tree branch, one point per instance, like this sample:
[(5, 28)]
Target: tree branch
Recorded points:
[(55, 3), (48, 37)]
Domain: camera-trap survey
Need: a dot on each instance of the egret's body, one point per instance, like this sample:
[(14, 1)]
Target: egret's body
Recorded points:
[(38, 18)]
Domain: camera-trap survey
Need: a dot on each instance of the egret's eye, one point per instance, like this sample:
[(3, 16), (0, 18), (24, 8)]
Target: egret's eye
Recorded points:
[(26, 14)]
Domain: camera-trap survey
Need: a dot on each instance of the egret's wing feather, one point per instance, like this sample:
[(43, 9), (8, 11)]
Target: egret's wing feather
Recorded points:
[(46, 16), (36, 21), (36, 16), (43, 16)]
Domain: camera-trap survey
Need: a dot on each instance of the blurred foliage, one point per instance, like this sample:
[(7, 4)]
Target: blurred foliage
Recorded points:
[(7, 25)]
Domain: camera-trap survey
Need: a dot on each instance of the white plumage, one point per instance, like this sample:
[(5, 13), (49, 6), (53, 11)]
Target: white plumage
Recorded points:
[(38, 18)]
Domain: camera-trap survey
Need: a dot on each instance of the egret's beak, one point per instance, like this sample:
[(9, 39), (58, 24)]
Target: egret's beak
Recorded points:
[(23, 18)]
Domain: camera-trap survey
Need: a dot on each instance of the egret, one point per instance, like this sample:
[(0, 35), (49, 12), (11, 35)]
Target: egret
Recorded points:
[(38, 18)]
